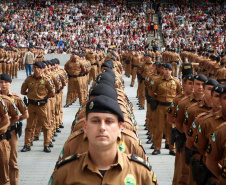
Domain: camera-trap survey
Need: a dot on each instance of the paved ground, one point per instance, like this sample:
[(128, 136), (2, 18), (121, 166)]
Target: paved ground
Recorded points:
[(36, 166)]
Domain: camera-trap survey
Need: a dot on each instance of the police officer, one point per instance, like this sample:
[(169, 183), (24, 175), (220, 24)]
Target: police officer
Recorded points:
[(37, 88), (103, 163), (215, 153), (181, 108), (166, 88), (78, 143), (5, 84), (188, 89), (136, 59), (74, 67), (4, 144), (193, 111)]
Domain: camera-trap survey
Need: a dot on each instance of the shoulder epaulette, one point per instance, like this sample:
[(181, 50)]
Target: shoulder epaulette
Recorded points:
[(129, 133), (75, 134), (192, 105), (175, 78), (141, 161), (184, 98), (207, 116), (66, 160), (17, 95), (204, 114), (141, 145), (4, 97), (221, 125)]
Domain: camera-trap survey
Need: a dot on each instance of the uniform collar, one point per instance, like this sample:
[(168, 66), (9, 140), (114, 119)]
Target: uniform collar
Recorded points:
[(163, 78), (203, 103), (219, 114), (87, 163), (42, 75), (8, 94), (192, 97)]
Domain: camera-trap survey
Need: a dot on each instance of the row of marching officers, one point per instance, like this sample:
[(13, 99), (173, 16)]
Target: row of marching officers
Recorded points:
[(103, 147)]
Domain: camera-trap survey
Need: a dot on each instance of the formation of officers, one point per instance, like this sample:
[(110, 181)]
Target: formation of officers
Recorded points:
[(190, 116), (103, 147), (12, 59)]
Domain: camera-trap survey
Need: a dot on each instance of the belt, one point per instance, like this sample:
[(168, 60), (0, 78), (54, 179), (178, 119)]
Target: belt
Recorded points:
[(3, 136), (73, 76), (1, 61), (94, 64), (12, 127), (58, 91), (135, 65), (39, 102), (164, 103)]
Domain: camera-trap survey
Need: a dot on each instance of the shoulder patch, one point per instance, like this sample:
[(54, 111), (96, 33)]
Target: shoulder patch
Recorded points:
[(141, 161), (66, 160), (3, 105), (140, 143)]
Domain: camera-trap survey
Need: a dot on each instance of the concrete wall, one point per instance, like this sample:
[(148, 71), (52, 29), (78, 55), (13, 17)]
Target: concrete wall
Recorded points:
[(62, 57)]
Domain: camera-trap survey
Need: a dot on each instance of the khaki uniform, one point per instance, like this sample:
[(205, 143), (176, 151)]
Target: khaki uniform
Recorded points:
[(193, 111), (205, 133), (135, 64), (74, 68), (37, 91), (145, 70), (166, 91), (94, 70), (216, 150), (13, 166), (64, 79), (220, 75), (9, 62), (126, 170), (179, 119), (55, 101), (170, 117), (127, 64), (4, 144), (4, 56), (150, 114)]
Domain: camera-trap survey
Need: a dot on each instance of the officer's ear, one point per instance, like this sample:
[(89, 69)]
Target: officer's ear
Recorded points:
[(120, 126), (84, 126)]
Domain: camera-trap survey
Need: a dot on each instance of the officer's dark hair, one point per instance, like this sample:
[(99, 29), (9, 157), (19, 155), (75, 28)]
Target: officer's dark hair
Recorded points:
[(186, 79), (184, 58)]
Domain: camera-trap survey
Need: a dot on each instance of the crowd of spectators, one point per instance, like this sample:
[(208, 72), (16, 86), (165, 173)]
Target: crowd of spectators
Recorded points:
[(194, 26), (58, 27)]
